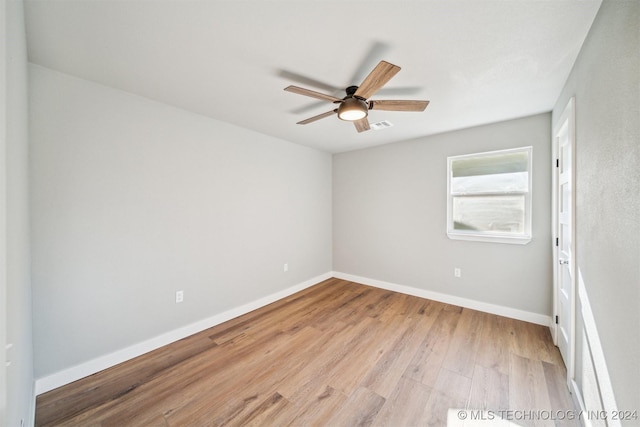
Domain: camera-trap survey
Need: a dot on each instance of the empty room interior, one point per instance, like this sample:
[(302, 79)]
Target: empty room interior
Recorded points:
[(193, 233)]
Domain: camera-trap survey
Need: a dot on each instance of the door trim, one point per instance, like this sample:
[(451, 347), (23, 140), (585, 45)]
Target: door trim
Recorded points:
[(567, 116)]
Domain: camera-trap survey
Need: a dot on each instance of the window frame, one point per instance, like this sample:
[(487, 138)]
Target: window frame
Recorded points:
[(492, 236)]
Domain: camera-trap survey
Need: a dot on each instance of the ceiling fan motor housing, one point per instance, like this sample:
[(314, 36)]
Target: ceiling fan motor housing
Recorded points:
[(351, 90)]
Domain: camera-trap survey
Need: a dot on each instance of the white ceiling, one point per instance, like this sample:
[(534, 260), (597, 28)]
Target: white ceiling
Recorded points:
[(477, 61)]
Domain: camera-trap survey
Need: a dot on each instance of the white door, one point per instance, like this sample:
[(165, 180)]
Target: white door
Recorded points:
[(565, 253)]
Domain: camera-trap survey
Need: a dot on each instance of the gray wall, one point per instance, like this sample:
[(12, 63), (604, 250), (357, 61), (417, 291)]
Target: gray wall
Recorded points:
[(133, 200), (389, 218), (606, 84), (19, 380)]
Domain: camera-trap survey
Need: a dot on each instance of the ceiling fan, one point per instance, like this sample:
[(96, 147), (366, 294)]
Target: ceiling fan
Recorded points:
[(356, 105)]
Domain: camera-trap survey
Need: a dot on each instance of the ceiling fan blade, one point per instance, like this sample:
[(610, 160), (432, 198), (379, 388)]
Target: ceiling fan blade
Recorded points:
[(362, 125), (308, 81), (308, 108), (398, 91), (380, 75), (318, 117), (389, 105), (376, 51), (311, 93)]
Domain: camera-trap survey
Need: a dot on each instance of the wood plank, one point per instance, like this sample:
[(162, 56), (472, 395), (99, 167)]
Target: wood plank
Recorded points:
[(180, 393), (360, 409), (364, 355), (405, 406), (347, 309), (489, 390), (465, 342), (275, 410), (112, 383), (320, 408), (299, 386), (451, 390), (454, 385), (533, 342), (495, 341), (527, 389), (555, 379), (427, 361), (193, 380), (242, 386), (437, 407), (387, 372)]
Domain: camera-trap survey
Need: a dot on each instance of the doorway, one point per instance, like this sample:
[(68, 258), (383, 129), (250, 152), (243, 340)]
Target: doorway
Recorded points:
[(564, 255)]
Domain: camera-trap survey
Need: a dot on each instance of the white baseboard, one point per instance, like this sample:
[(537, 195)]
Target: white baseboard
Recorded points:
[(513, 313), (50, 382)]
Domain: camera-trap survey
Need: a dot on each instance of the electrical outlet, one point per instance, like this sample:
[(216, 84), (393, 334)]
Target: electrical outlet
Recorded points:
[(457, 272), (179, 296), (286, 267)]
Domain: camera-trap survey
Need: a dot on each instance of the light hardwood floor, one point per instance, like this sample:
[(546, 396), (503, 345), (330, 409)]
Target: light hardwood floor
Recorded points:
[(335, 354)]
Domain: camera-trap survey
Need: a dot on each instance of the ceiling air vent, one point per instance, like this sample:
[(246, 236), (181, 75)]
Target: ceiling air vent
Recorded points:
[(381, 125)]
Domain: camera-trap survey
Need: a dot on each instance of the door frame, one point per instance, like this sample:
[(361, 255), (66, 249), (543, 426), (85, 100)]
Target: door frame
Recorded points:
[(568, 117)]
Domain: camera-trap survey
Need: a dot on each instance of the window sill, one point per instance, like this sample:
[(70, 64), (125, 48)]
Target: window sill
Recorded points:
[(514, 240)]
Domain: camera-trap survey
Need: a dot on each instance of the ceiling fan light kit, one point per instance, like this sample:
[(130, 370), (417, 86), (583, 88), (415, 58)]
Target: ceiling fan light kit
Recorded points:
[(355, 106), (352, 109)]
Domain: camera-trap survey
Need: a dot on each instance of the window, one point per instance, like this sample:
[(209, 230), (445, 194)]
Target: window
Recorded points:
[(489, 196)]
